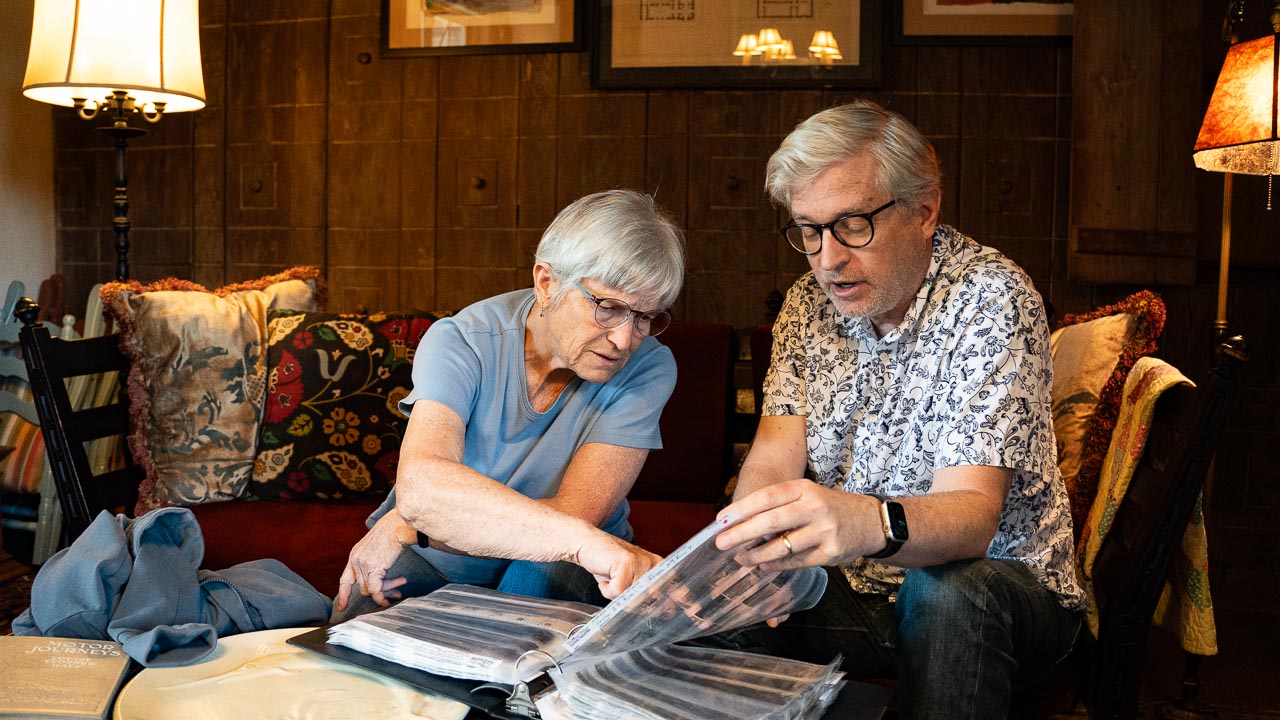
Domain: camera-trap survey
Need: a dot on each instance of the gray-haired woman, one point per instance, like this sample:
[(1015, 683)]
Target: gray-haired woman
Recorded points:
[(530, 417)]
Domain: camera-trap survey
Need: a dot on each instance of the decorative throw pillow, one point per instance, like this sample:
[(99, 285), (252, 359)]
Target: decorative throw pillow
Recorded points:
[(197, 379), (1092, 355), (330, 428)]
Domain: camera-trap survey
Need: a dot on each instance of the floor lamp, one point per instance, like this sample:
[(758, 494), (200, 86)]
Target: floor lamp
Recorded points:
[(1239, 136), (117, 58), (1239, 132)]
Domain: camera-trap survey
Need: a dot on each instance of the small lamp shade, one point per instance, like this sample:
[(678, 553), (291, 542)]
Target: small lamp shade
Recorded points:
[(87, 48), (823, 46), (1239, 130), (770, 39), (788, 51), (746, 46)]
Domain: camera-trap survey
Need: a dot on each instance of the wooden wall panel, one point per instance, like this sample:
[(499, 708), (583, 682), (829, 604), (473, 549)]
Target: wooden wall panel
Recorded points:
[(1133, 125)]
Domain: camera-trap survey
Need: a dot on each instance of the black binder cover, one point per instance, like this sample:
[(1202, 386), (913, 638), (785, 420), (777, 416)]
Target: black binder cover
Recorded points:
[(857, 701)]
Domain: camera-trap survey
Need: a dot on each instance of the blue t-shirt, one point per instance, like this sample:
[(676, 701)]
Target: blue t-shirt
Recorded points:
[(473, 363)]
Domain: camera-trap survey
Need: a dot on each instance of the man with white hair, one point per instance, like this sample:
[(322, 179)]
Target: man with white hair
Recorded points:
[(906, 442)]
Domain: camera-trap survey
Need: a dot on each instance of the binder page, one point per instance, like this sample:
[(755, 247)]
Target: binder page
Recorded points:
[(466, 632), (696, 590), (674, 682)]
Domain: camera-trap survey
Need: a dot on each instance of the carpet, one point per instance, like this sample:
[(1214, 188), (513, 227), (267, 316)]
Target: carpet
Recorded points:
[(15, 590)]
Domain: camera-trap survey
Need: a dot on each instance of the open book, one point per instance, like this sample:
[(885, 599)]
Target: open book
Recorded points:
[(619, 661)]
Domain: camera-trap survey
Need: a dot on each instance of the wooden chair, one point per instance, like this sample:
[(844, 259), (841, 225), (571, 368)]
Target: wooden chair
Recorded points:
[(1136, 556), (83, 489)]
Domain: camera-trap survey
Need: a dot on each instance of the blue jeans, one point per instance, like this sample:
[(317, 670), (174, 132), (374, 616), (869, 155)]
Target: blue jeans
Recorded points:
[(960, 637), (555, 580)]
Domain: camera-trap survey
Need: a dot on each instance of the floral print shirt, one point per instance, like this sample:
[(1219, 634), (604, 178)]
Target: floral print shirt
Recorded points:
[(963, 380)]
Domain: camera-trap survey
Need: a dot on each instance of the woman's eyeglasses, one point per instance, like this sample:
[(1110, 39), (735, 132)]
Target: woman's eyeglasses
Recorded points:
[(612, 312)]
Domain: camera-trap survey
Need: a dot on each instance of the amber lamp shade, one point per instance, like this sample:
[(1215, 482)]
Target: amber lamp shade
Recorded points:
[(1239, 130)]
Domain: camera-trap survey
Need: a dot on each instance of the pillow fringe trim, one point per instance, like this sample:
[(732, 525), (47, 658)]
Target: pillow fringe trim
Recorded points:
[(1149, 312)]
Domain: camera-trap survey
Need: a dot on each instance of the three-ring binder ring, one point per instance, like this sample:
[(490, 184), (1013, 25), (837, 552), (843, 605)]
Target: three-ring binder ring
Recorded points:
[(527, 653)]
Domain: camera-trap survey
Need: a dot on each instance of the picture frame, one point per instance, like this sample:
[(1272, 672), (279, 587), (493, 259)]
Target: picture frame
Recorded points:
[(677, 44), (478, 27), (982, 22)]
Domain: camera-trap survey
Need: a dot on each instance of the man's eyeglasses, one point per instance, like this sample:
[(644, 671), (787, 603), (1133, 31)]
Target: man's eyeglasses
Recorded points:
[(611, 312), (854, 230)]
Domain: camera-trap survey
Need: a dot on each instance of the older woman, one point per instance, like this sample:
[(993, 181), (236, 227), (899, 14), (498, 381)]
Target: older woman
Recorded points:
[(530, 417)]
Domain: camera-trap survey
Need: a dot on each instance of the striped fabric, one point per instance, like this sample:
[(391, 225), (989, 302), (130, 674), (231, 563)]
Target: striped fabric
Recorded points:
[(21, 470)]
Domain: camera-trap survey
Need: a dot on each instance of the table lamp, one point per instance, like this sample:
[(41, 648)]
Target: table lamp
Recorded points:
[(117, 58)]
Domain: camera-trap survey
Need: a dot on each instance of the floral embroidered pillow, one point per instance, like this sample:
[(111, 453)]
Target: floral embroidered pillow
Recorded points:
[(330, 427), (196, 379), (1092, 355)]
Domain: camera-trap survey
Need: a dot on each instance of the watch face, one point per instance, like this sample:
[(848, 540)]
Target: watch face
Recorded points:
[(897, 522)]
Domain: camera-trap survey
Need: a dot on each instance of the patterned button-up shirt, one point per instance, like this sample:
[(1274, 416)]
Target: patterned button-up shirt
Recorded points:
[(964, 379)]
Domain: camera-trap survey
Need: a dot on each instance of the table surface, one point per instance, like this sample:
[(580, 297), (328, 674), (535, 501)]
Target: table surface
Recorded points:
[(258, 675)]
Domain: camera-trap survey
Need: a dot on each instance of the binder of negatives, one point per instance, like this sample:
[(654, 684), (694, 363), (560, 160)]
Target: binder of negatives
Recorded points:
[(519, 657)]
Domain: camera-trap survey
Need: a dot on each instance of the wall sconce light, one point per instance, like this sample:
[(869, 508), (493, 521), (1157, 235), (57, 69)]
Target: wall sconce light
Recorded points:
[(1239, 132), (769, 44), (117, 58), (747, 45), (824, 47)]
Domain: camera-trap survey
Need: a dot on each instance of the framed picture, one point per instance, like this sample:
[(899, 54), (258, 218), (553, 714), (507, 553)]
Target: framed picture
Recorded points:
[(973, 22), (473, 27), (737, 43)]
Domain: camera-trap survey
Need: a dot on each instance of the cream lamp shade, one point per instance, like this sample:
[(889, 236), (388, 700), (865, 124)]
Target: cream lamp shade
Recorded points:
[(746, 46), (86, 49), (770, 39), (824, 45), (1239, 130)]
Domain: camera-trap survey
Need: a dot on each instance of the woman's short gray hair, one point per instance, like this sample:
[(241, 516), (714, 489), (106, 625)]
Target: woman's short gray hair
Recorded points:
[(908, 164), (622, 239)]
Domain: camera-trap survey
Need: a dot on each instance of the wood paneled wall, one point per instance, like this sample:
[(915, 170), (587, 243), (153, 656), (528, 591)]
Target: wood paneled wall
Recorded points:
[(426, 183)]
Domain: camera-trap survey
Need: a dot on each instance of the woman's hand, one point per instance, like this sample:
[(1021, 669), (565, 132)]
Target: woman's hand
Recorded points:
[(616, 564), (370, 559)]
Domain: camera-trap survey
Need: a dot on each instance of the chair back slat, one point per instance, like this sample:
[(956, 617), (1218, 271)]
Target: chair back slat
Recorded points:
[(102, 421), (87, 357), (117, 491)]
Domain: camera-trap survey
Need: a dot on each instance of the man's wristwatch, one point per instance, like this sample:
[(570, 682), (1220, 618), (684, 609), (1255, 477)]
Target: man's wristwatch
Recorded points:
[(894, 523)]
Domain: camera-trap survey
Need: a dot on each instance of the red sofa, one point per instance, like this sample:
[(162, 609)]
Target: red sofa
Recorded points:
[(675, 496)]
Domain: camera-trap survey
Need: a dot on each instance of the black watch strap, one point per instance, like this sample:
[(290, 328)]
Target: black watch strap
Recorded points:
[(423, 540), (893, 521)]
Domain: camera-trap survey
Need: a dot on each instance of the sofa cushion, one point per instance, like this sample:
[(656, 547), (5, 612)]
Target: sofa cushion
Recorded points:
[(661, 527), (330, 426), (197, 379), (1092, 355), (697, 446), (312, 539)]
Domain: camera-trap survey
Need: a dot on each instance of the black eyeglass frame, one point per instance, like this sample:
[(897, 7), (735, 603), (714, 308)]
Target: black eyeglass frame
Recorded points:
[(632, 314), (820, 227)]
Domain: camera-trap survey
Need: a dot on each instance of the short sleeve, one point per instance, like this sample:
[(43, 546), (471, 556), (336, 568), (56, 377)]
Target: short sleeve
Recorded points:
[(784, 382), (446, 370), (997, 384), (633, 407)]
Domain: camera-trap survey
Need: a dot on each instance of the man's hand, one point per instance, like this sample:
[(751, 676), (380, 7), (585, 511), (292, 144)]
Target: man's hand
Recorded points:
[(371, 557), (799, 523), (616, 564)]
